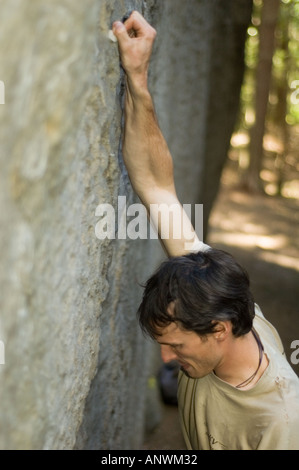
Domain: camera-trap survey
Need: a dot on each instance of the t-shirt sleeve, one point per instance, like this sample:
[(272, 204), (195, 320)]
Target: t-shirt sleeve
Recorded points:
[(197, 245), (282, 434)]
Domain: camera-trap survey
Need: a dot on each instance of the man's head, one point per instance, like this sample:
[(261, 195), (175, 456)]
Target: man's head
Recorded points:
[(194, 297)]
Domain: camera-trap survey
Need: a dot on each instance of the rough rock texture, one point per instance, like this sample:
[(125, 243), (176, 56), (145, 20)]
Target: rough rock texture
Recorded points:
[(76, 365)]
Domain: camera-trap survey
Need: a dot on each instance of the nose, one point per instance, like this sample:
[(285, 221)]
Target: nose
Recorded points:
[(167, 353)]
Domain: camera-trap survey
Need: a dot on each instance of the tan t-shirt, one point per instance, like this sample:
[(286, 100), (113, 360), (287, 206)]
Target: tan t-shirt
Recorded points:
[(216, 415)]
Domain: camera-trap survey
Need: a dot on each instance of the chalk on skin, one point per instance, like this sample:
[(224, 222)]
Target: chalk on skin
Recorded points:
[(111, 36), (124, 19)]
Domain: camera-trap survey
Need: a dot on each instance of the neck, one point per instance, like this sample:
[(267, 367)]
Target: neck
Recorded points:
[(241, 360)]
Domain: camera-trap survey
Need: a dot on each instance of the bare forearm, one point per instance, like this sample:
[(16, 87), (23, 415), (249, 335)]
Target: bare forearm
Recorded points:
[(145, 150), (150, 168)]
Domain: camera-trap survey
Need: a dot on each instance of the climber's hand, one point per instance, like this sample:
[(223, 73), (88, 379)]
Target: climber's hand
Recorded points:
[(135, 41)]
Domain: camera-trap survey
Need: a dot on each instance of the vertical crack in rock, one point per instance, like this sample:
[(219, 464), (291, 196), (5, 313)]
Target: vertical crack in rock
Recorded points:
[(124, 189)]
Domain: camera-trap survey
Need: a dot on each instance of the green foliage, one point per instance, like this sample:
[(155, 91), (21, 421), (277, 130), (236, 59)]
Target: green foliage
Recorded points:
[(277, 171), (285, 64)]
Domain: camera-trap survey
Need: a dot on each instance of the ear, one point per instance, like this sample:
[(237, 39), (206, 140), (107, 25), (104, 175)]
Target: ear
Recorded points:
[(222, 330)]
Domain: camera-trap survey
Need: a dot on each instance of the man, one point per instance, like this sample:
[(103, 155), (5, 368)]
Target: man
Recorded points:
[(236, 390)]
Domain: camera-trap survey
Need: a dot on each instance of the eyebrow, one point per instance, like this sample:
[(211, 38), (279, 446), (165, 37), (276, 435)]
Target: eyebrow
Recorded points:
[(169, 344)]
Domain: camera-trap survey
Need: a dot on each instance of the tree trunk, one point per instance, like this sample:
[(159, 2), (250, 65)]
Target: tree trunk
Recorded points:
[(263, 80), (282, 95), (222, 97)]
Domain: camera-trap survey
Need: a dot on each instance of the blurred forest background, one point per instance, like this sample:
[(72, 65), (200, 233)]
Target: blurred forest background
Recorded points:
[(256, 215), (265, 144)]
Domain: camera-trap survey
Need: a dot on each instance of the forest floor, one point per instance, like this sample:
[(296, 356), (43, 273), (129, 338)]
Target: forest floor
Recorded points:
[(262, 233)]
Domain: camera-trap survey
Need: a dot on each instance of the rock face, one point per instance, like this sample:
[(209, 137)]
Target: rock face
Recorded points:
[(76, 365)]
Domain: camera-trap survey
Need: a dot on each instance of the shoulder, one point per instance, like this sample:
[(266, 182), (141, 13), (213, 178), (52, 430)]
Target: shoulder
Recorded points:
[(267, 331), (284, 381)]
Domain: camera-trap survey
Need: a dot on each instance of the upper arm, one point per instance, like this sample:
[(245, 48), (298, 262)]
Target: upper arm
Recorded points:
[(281, 435), (170, 220)]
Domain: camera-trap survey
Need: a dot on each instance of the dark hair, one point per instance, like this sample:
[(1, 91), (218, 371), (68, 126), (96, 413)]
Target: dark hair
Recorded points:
[(206, 287)]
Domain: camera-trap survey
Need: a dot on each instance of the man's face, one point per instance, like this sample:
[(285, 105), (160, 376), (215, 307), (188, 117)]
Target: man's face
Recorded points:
[(197, 356)]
